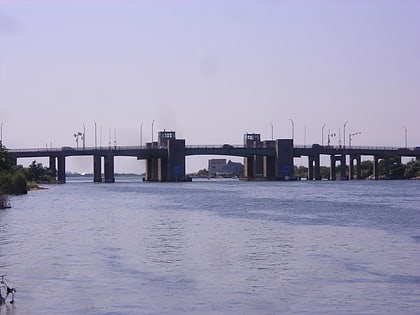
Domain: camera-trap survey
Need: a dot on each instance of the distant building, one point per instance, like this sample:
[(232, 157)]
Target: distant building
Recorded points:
[(221, 168), (216, 166)]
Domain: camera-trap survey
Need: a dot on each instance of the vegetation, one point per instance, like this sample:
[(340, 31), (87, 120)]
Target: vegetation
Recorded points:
[(398, 170), (17, 179), (12, 180)]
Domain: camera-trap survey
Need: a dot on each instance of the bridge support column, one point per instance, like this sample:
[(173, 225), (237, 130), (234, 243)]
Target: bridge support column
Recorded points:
[(343, 167), (284, 159), (376, 167), (249, 167), (317, 170), (387, 168), (109, 169), (332, 167), (314, 168), (310, 167), (61, 175), (174, 168), (152, 166), (97, 167), (358, 160), (269, 162), (53, 166)]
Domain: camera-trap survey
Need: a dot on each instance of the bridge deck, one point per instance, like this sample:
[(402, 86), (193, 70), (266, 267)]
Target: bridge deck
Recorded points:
[(228, 150)]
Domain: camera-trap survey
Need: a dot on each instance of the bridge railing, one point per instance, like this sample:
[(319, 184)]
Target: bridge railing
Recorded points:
[(214, 146), (339, 147), (101, 148)]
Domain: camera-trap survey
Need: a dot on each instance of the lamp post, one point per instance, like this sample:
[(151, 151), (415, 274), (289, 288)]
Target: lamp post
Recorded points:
[(293, 128), (96, 142), (405, 135), (1, 134), (141, 134), (272, 131), (153, 122), (322, 134), (330, 135), (77, 135), (84, 136), (344, 134), (351, 136), (115, 138)]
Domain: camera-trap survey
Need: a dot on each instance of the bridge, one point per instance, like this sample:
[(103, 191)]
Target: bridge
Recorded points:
[(263, 160)]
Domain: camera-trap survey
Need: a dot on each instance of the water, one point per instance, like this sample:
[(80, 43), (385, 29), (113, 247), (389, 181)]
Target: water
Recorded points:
[(214, 247)]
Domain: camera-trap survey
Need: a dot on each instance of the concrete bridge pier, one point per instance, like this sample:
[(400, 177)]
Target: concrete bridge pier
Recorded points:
[(387, 168), (284, 159), (61, 174), (358, 160), (249, 167), (376, 167), (175, 164), (53, 165), (333, 174), (152, 169), (269, 162), (109, 169), (343, 167), (376, 160), (97, 167), (314, 168)]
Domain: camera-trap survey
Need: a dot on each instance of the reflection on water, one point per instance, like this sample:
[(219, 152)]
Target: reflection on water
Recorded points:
[(214, 247)]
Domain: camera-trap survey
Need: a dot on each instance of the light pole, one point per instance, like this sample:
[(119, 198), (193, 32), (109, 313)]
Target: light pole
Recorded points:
[(405, 133), (153, 122), (304, 137), (272, 131), (115, 138), (84, 137), (293, 128), (141, 134), (330, 135), (77, 135), (1, 134), (96, 143), (351, 136), (344, 134), (322, 134)]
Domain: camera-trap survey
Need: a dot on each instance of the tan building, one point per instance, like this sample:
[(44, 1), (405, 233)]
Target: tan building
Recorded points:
[(216, 166)]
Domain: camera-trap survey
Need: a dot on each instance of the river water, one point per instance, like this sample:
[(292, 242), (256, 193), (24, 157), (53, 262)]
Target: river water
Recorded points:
[(214, 247)]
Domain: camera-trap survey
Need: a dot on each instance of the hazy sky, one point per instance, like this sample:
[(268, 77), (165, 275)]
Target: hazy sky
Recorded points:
[(210, 70)]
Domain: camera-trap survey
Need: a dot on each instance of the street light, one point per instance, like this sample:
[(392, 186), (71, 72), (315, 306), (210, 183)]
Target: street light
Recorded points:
[(353, 134), (293, 128), (96, 142), (405, 130), (344, 134), (272, 131), (77, 135), (322, 134), (141, 134), (330, 135), (84, 137), (1, 134), (153, 122)]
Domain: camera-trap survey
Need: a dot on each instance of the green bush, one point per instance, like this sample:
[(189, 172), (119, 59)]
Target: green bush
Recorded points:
[(19, 183)]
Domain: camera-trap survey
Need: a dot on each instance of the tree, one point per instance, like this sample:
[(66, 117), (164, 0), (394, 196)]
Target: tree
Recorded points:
[(367, 169), (5, 161), (413, 169), (19, 184)]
